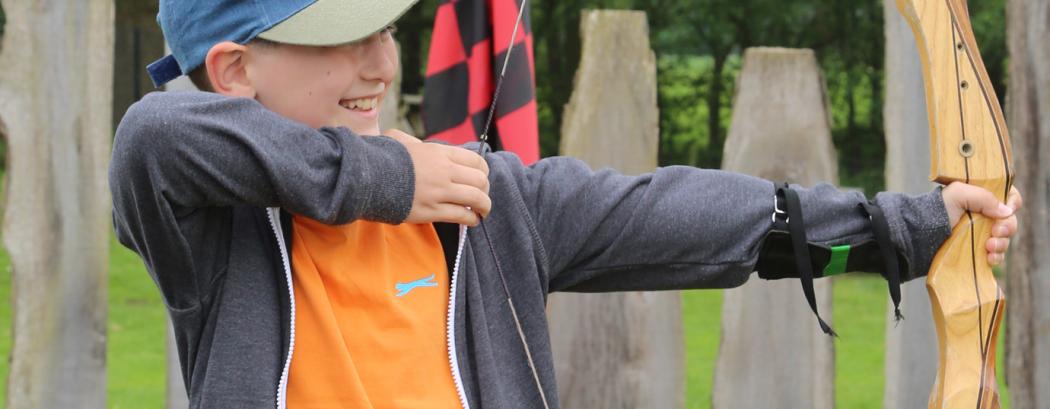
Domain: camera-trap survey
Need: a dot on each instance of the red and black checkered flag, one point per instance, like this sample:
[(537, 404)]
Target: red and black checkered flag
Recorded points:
[(467, 51)]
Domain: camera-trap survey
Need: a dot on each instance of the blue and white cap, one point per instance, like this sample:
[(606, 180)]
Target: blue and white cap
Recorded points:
[(192, 27)]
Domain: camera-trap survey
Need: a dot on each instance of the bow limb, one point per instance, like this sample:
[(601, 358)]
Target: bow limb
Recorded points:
[(969, 143)]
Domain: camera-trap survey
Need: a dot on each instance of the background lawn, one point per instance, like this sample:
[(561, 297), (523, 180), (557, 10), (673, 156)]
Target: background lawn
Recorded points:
[(136, 337), (135, 349)]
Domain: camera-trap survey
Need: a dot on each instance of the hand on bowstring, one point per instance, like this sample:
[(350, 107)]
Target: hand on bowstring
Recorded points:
[(452, 183)]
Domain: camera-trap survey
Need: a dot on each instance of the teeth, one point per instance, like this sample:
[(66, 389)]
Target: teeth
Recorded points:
[(362, 104)]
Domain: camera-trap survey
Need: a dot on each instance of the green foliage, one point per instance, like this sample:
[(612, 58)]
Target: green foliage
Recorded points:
[(988, 19), (698, 45), (684, 82)]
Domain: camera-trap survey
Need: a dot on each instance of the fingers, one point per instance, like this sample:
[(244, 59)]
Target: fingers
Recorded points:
[(1003, 230), (997, 245), (468, 197), (454, 213), (452, 183), (469, 159), (471, 177), (984, 202), (962, 196), (1005, 227)]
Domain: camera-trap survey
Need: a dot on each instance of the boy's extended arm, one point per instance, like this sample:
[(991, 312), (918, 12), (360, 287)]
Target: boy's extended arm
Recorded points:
[(682, 227)]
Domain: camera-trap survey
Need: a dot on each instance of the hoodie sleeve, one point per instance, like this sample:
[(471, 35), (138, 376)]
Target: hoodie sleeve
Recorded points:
[(682, 227), (194, 149), (182, 161)]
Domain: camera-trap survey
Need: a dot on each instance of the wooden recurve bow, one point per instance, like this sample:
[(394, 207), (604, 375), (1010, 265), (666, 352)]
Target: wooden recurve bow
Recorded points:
[(969, 143)]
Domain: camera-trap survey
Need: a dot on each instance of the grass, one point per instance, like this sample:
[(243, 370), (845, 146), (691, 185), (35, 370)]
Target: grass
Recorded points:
[(859, 317), (136, 338), (136, 334), (135, 347), (859, 302), (701, 322)]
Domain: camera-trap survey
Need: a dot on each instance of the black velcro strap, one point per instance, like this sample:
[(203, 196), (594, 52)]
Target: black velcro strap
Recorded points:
[(881, 229), (796, 227)]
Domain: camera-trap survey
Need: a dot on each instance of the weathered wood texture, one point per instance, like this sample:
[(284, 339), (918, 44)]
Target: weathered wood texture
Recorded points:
[(619, 350), (969, 142), (911, 344), (175, 396), (1028, 267), (55, 102), (612, 118), (773, 353)]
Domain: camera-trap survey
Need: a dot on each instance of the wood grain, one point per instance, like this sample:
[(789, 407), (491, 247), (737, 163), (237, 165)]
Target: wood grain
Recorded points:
[(55, 100), (616, 350), (771, 341), (969, 143)]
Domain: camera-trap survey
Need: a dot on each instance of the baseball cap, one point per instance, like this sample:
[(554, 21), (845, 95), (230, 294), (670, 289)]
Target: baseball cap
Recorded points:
[(192, 27)]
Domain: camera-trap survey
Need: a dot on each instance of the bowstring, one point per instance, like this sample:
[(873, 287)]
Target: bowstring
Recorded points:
[(502, 74), (488, 240)]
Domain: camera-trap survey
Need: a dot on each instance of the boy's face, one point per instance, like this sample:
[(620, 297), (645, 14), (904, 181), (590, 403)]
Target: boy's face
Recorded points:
[(341, 85)]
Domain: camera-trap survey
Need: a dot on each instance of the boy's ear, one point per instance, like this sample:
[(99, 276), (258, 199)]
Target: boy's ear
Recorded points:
[(225, 66)]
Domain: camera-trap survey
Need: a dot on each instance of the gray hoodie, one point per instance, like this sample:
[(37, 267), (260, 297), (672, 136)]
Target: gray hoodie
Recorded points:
[(203, 185)]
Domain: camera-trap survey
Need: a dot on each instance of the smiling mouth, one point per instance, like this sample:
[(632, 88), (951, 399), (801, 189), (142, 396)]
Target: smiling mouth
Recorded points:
[(360, 104)]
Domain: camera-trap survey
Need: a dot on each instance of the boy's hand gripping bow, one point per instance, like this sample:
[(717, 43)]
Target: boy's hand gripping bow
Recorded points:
[(969, 143)]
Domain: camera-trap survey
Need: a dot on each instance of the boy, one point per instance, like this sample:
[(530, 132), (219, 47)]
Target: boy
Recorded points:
[(307, 266)]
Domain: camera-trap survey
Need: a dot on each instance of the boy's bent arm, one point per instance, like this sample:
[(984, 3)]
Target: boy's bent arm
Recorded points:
[(194, 150), (183, 161), (682, 227)]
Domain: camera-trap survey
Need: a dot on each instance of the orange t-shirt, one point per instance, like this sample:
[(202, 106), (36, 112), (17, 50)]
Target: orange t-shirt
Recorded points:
[(371, 304)]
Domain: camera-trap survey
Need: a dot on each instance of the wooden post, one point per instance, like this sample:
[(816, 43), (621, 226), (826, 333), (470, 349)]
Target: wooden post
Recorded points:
[(55, 102), (1028, 266), (911, 344), (773, 354), (619, 350)]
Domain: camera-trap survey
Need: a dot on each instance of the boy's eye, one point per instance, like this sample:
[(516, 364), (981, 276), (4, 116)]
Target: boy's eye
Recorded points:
[(391, 29)]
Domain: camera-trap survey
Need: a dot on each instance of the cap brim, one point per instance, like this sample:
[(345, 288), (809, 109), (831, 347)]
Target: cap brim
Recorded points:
[(332, 22)]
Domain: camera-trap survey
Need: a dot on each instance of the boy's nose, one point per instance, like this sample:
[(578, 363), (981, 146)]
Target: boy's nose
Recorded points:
[(379, 57)]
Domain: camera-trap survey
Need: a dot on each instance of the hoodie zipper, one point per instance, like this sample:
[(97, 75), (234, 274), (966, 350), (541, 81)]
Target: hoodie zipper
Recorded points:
[(450, 332), (282, 386)]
